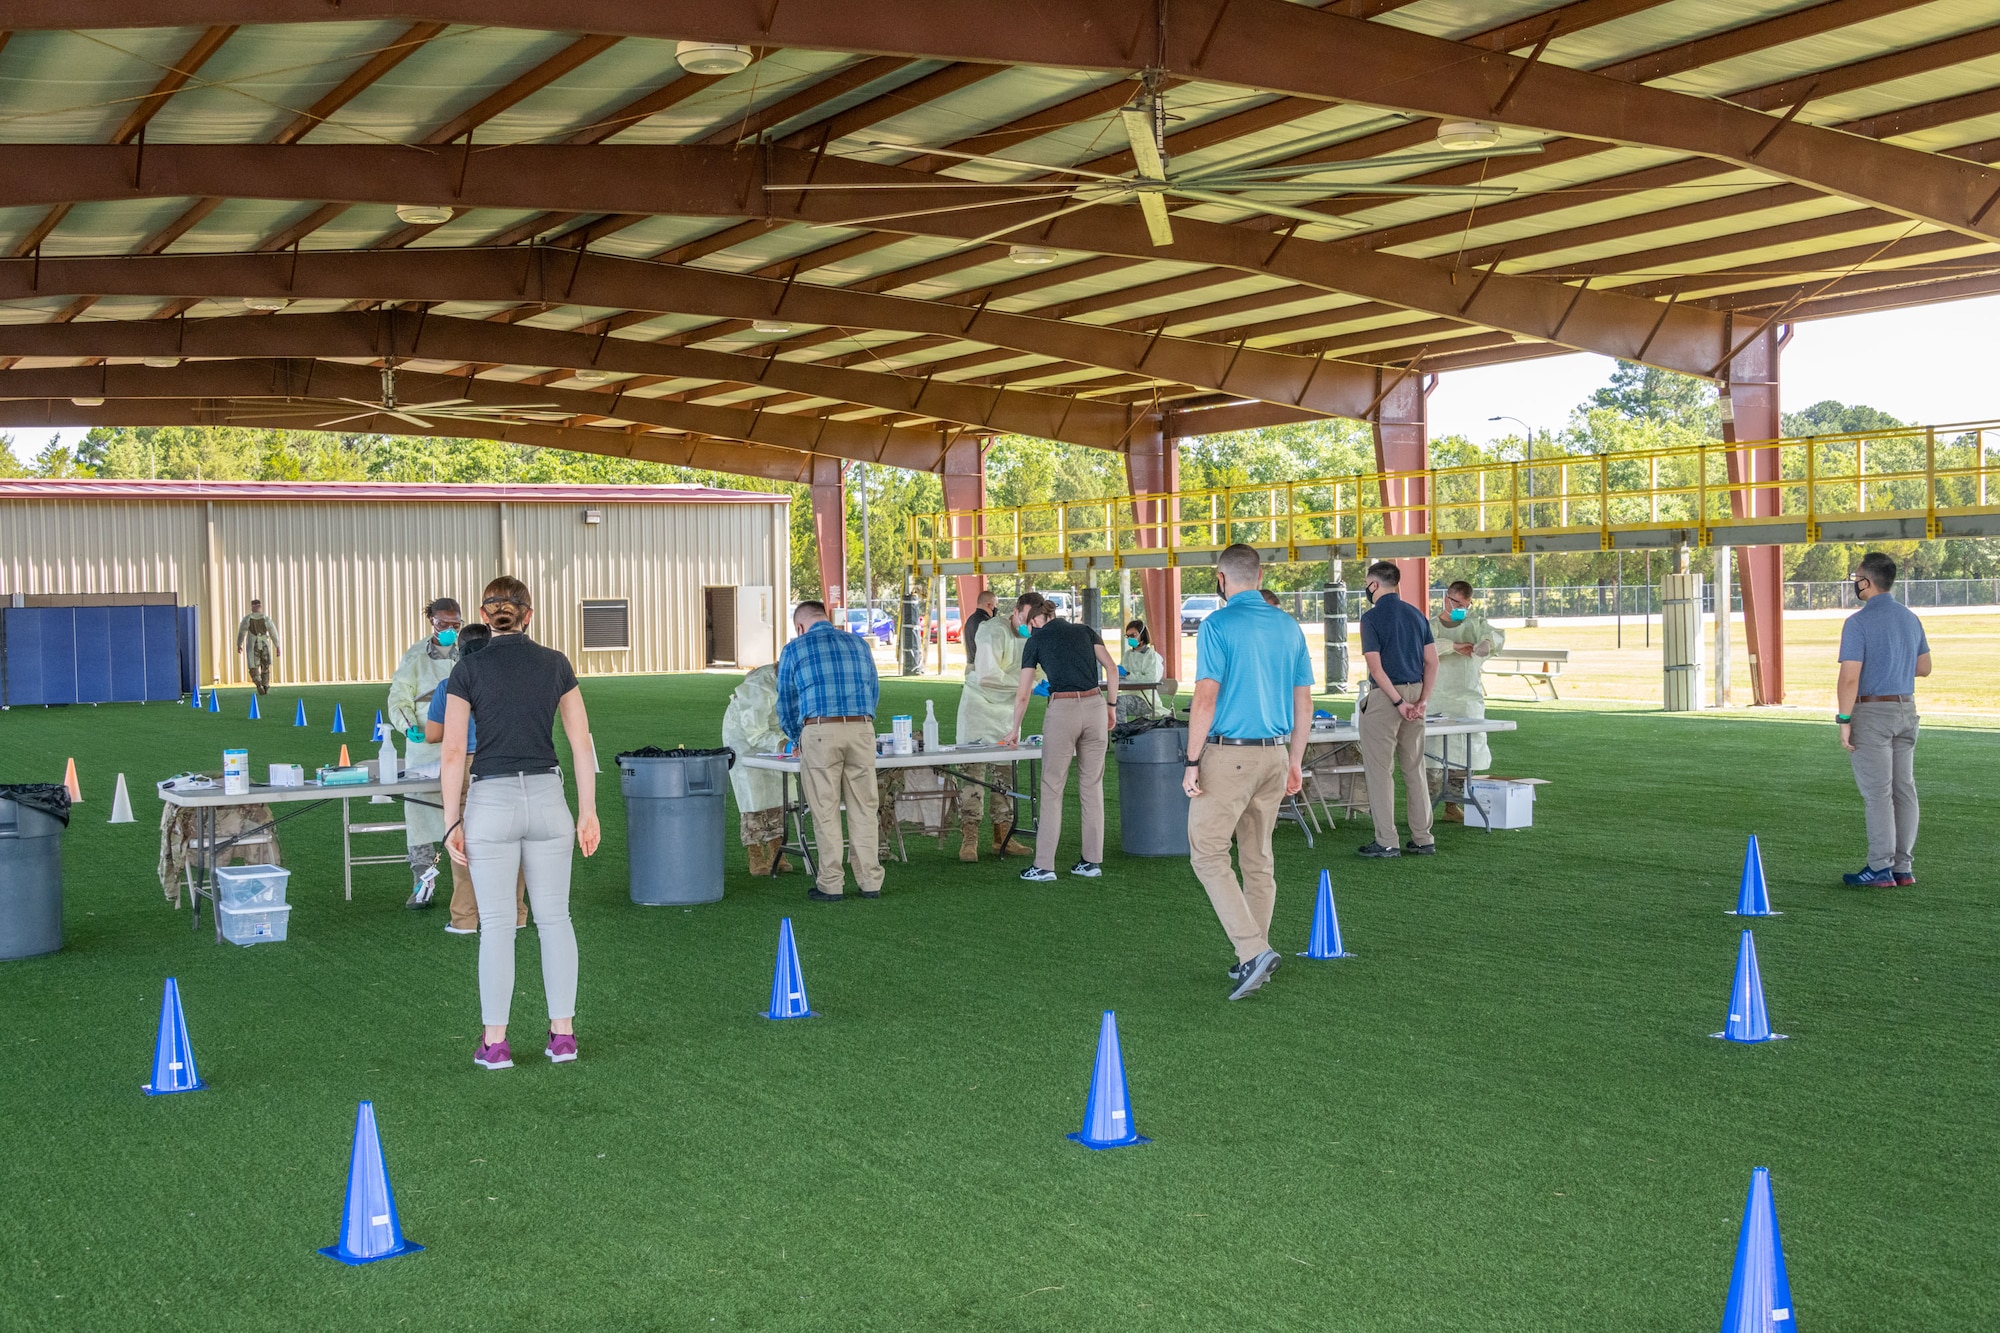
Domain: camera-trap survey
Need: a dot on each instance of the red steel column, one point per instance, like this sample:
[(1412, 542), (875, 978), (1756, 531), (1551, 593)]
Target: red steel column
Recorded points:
[(1760, 570), (1153, 467), (1402, 444), (964, 478), (829, 502)]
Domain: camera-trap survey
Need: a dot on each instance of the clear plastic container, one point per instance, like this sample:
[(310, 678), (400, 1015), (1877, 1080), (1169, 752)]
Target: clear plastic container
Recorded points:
[(254, 925), (251, 886)]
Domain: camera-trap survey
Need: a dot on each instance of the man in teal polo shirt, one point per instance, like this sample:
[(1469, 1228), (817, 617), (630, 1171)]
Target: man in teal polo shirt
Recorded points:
[(1247, 734)]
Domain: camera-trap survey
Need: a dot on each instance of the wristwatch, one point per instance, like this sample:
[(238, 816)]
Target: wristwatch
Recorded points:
[(1843, 718)]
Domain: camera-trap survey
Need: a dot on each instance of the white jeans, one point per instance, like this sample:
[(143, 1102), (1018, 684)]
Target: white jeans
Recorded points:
[(521, 825)]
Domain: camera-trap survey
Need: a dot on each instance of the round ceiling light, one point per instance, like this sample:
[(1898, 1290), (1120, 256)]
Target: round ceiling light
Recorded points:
[(264, 303), (161, 362), (712, 58), (770, 326), (423, 215), (88, 402), (592, 376), (1462, 136), (1032, 255)]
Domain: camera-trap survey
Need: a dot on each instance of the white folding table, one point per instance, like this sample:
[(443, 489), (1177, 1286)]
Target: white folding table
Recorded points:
[(950, 759), (205, 801), (1340, 732)]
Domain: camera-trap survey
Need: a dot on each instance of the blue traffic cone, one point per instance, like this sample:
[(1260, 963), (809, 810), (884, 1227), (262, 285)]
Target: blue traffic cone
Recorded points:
[(1753, 898), (788, 983), (369, 1229), (1748, 1021), (254, 714), (339, 722), (173, 1057), (1107, 1116), (1760, 1296), (194, 700), (214, 701), (1325, 941), (299, 717), (376, 735)]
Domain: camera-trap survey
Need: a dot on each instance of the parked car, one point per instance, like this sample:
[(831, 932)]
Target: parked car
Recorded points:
[(878, 625), (951, 626), (1196, 609), (1064, 604)]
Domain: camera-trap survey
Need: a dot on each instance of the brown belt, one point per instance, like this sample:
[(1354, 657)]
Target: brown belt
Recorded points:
[(1073, 694), (815, 721), (1886, 699)]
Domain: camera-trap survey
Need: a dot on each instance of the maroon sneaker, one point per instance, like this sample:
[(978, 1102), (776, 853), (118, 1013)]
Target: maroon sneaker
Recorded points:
[(562, 1047), (494, 1056), (1906, 879)]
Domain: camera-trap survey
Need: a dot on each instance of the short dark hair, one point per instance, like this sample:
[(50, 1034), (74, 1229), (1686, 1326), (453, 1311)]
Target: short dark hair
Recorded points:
[(440, 605), (1027, 601), (1383, 571), (474, 637), (1880, 569), (813, 605), (1240, 562), (1270, 598), (256, 601), (1144, 635), (1462, 588)]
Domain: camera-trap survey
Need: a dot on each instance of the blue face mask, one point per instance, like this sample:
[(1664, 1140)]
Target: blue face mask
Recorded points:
[(1131, 642), (1023, 631), (447, 637), (1455, 614)]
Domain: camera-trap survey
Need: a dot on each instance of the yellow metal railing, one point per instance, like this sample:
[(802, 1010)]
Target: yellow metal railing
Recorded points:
[(1932, 473)]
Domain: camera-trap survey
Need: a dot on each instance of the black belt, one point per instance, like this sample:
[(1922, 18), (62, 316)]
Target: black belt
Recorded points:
[(519, 773), (1886, 699), (1242, 740)]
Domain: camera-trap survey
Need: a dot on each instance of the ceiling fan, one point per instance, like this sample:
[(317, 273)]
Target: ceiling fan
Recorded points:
[(458, 409), (1263, 189)]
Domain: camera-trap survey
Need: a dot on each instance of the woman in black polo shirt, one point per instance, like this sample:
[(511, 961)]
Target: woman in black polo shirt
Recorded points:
[(1083, 681), (515, 815)]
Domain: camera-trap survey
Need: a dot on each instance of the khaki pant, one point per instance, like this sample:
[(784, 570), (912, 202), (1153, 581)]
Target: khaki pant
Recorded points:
[(1884, 758), (1072, 728), (1387, 743), (836, 764), (1242, 787), (465, 907)]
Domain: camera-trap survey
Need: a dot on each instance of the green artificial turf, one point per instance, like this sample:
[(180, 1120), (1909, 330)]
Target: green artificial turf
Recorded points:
[(1504, 1113)]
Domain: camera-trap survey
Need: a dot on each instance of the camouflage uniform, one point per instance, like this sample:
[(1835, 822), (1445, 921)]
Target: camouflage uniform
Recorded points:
[(258, 630)]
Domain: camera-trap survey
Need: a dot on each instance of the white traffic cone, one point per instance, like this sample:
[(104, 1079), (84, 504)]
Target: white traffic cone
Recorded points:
[(121, 805)]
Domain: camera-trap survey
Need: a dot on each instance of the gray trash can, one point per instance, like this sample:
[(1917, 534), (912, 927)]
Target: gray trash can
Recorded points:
[(674, 824), (32, 818), (1152, 805)]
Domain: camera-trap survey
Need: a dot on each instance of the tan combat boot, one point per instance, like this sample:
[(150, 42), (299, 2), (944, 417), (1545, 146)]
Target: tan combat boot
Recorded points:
[(968, 849), (761, 854), (1005, 845)]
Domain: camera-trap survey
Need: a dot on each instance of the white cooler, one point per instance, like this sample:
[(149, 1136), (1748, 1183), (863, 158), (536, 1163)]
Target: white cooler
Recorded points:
[(1500, 803)]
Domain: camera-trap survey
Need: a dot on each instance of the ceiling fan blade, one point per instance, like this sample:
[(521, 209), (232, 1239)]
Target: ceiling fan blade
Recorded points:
[(998, 161), (418, 422), (1259, 206), (1029, 222), (1145, 148), (929, 185), (1208, 174), (342, 421), (1329, 190), (1154, 205), (929, 212)]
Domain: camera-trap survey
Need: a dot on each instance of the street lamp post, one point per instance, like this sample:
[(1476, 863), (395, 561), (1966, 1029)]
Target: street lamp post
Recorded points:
[(1528, 434)]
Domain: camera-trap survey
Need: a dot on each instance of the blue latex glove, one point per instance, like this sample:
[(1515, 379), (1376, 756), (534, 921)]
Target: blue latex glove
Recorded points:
[(1122, 672), (1321, 713), (414, 734), (1042, 688)]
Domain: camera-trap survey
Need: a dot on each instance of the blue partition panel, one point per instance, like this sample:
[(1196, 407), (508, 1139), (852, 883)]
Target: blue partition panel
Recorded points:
[(125, 633), (162, 677), (93, 654), (58, 653), (188, 621), (24, 656)]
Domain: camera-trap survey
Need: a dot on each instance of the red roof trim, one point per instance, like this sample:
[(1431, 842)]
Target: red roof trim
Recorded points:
[(41, 488)]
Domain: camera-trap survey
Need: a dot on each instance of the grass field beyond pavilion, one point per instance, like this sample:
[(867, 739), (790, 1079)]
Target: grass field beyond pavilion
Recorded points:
[(1505, 1114)]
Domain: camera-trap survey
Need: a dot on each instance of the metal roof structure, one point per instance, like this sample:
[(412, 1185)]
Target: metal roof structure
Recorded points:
[(225, 211), (387, 492)]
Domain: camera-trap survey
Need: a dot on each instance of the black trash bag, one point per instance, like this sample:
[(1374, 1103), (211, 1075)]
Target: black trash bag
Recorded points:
[(678, 752), (48, 798), (1140, 726)]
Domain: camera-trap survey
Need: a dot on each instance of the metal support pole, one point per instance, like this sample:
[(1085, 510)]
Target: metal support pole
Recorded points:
[(1333, 617), (867, 565), (1723, 598), (912, 628)]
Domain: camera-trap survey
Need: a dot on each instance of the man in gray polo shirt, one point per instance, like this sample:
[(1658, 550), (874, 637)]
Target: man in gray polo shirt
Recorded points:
[(1882, 652)]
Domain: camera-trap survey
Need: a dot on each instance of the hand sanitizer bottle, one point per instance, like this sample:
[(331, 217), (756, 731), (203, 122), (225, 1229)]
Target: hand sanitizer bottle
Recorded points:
[(930, 727), (385, 766)]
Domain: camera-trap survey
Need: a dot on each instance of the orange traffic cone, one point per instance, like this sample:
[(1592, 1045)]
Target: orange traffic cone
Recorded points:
[(343, 757), (69, 780)]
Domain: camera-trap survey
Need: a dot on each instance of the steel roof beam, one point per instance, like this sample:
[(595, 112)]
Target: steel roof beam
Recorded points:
[(408, 335)]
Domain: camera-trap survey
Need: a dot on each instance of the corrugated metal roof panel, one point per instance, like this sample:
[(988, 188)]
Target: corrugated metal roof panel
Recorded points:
[(388, 492)]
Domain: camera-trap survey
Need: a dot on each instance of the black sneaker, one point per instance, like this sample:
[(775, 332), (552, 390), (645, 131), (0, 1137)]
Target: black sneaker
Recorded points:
[(818, 897), (1253, 974), (871, 893), (1873, 879), (1378, 851), (1415, 848), (1087, 869), (1037, 875)]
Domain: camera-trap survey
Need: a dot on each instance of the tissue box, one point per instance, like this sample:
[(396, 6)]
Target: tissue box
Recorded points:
[(287, 775)]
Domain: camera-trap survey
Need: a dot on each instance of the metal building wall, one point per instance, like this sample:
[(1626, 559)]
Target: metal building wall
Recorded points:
[(347, 582)]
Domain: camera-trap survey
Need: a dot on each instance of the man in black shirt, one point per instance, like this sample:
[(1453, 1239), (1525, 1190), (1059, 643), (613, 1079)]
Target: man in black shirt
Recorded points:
[(1083, 699), (968, 633), (1402, 658)]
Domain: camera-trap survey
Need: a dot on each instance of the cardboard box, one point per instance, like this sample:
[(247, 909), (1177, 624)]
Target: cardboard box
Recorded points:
[(1508, 802)]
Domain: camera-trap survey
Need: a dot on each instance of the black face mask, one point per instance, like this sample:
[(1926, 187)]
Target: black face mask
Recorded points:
[(1861, 587), (1368, 593)]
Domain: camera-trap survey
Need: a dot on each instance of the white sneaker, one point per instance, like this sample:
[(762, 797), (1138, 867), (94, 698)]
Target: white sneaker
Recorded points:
[(1037, 875), (450, 929)]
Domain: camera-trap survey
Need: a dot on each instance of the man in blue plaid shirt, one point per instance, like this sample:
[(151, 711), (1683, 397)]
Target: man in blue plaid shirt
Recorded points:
[(827, 691)]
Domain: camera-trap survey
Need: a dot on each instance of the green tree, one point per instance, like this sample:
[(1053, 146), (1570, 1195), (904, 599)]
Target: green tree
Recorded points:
[(10, 466), (1647, 393)]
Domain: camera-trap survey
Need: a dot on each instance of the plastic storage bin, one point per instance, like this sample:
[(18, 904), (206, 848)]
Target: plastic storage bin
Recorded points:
[(251, 886), (1510, 804), (254, 925)]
